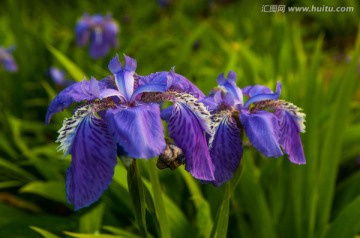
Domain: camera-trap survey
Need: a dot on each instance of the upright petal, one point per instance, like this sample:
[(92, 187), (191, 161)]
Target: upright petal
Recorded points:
[(93, 151), (229, 84), (84, 90), (291, 123), (225, 147), (138, 130), (187, 127), (124, 76), (262, 130)]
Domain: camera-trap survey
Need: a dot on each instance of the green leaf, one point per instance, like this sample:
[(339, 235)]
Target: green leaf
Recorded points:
[(76, 73), (91, 221), (203, 210), (44, 233), (54, 190), (80, 235), (120, 232), (347, 223), (16, 171)]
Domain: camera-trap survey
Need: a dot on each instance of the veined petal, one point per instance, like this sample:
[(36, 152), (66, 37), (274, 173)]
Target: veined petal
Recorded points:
[(124, 77), (138, 130), (93, 157), (225, 147), (291, 123), (187, 126), (262, 130), (84, 90), (262, 95)]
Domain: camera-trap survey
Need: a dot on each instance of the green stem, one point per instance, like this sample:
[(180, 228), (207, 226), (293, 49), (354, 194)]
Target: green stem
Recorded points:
[(158, 200), (136, 190)]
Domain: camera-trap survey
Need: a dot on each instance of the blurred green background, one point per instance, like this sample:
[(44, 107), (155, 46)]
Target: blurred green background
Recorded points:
[(315, 56)]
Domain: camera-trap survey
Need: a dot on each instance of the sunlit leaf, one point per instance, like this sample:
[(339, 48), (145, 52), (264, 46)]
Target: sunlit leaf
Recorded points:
[(43, 233)]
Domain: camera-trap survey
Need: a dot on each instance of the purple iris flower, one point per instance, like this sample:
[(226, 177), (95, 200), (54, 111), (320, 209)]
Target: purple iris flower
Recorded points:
[(7, 59), (123, 111), (100, 31), (269, 123), (58, 76)]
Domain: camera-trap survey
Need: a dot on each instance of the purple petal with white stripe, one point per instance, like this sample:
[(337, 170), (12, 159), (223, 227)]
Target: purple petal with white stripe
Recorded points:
[(225, 148), (290, 127), (186, 128), (138, 130), (262, 130), (230, 85), (124, 76), (93, 160)]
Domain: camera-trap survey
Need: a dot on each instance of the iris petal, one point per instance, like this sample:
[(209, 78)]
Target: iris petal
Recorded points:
[(261, 94), (93, 160), (82, 30), (76, 92), (225, 148), (99, 47), (124, 76), (138, 130), (290, 127), (229, 84), (262, 130), (186, 127)]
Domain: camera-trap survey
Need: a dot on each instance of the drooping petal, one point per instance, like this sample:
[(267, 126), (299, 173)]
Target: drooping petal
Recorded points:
[(225, 147), (262, 130), (110, 30), (83, 30), (262, 95), (9, 64), (7, 59), (124, 76), (138, 130), (291, 123), (187, 126), (84, 90), (99, 47), (93, 152)]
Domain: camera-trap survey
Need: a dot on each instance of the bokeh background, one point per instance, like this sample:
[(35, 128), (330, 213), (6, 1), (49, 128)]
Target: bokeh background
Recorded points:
[(314, 54)]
